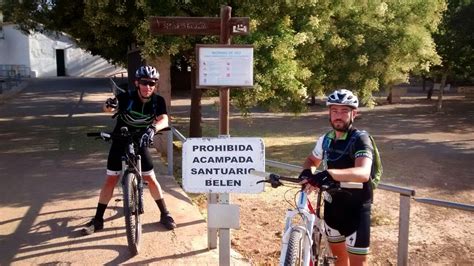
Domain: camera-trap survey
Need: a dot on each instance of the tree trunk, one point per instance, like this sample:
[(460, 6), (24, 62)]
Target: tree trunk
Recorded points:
[(430, 91), (163, 65), (313, 100), (134, 61), (439, 105), (423, 82), (390, 96), (195, 130)]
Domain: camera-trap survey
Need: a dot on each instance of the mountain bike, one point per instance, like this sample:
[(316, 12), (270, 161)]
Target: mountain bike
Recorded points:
[(304, 240), (132, 183)]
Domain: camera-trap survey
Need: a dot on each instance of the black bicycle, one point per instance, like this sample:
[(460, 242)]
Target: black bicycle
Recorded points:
[(132, 183)]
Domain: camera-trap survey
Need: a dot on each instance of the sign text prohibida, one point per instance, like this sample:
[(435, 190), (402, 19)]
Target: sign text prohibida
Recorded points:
[(222, 165)]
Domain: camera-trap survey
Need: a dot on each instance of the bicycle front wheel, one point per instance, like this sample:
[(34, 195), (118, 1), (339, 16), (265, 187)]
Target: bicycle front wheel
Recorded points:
[(294, 252), (131, 212)]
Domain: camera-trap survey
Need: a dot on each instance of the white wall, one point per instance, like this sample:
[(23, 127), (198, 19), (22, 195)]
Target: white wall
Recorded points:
[(14, 47), (43, 53), (81, 63), (38, 51)]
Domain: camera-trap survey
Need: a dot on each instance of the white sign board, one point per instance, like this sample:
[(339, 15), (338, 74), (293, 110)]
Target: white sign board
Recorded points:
[(222, 165), (225, 66)]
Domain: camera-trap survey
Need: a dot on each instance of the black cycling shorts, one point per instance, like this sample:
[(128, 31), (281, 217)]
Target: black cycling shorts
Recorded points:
[(350, 224), (117, 151)]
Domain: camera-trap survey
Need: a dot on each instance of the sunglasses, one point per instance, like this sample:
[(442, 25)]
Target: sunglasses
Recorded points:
[(147, 83)]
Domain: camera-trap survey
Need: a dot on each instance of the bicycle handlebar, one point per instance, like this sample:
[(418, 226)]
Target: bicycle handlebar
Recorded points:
[(126, 135), (123, 134), (274, 180)]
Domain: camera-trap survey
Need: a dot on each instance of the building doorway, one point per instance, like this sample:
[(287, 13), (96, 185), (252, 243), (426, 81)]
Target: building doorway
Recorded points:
[(60, 63)]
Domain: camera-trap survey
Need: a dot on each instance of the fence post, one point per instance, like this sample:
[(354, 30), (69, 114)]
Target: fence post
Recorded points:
[(403, 230), (169, 152), (212, 232), (224, 235)]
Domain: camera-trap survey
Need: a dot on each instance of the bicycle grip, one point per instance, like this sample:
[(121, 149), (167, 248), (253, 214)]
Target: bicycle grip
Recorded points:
[(356, 185), (165, 129)]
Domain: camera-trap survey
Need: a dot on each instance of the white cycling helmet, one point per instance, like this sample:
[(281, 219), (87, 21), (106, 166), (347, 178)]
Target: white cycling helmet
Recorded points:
[(343, 97), (147, 72)]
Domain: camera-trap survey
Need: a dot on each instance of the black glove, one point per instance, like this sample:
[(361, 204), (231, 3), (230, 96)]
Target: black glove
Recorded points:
[(305, 174), (111, 103), (320, 179), (147, 137)]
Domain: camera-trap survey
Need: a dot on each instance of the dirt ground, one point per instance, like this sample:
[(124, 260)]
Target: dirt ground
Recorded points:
[(421, 149)]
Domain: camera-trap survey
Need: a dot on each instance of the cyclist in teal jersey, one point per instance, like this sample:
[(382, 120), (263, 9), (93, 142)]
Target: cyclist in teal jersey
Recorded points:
[(346, 157), (141, 111)]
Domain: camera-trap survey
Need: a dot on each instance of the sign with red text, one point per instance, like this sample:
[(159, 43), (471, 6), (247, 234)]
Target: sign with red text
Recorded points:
[(222, 165), (224, 66)]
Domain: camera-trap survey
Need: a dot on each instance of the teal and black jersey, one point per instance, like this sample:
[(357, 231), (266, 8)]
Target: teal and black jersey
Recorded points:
[(341, 154), (347, 214), (135, 114)]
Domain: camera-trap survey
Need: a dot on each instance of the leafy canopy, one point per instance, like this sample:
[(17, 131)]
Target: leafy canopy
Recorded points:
[(301, 46), (455, 39)]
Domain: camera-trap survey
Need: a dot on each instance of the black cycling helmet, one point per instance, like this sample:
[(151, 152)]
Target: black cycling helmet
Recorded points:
[(147, 72), (343, 97)]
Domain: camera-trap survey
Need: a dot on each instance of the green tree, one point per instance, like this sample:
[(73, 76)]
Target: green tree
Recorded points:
[(312, 47), (301, 46), (367, 45), (454, 43)]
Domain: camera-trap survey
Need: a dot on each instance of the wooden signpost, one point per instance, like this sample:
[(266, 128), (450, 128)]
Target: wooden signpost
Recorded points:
[(196, 26), (225, 26)]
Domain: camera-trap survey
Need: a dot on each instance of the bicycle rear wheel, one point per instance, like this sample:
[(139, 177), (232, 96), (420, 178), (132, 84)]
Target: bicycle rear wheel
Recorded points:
[(294, 253), (321, 250), (131, 213)]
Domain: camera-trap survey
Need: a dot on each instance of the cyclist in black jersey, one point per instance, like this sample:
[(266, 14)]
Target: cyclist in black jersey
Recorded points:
[(347, 216), (141, 111)]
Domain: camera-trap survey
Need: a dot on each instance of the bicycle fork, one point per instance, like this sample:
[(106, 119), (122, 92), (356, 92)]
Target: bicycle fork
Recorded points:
[(141, 208)]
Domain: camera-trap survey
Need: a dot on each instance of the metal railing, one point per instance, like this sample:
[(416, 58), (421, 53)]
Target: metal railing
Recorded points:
[(11, 76), (406, 194), (14, 71), (114, 87), (447, 204), (121, 76)]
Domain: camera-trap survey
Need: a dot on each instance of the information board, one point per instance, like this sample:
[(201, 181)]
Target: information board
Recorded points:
[(224, 66), (222, 165)]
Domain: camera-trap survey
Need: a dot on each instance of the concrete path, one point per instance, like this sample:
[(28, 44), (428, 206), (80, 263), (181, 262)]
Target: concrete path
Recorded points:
[(50, 175)]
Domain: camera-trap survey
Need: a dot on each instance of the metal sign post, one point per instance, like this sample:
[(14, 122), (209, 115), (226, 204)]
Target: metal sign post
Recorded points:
[(225, 26), (223, 165)]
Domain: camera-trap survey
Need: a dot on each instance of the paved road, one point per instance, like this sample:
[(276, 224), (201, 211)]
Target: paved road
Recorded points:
[(50, 177)]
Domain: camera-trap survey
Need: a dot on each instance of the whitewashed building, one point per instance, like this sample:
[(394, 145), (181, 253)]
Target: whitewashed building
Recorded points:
[(48, 55)]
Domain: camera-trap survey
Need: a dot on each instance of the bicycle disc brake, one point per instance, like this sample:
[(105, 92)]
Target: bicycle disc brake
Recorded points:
[(327, 197)]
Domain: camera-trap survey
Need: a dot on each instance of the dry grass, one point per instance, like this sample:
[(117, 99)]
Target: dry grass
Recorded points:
[(416, 154)]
